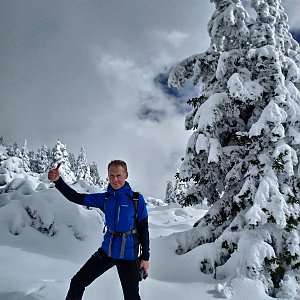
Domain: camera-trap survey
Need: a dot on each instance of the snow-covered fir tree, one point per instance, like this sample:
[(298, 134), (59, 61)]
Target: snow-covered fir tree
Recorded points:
[(32, 161), (13, 150), (169, 198), (180, 189), (96, 179), (21, 152), (3, 149), (2, 142), (42, 163), (59, 154), (243, 154), (72, 161), (82, 167), (24, 156)]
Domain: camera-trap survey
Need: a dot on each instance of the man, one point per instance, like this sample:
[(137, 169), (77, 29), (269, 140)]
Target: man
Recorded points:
[(127, 227)]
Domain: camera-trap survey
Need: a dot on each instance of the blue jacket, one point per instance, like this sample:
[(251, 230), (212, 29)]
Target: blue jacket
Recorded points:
[(119, 217)]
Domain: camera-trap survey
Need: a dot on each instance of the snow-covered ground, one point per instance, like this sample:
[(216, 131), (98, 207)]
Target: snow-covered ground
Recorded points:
[(44, 240)]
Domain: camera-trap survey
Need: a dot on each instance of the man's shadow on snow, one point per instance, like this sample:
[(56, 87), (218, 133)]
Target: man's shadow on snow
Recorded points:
[(18, 296)]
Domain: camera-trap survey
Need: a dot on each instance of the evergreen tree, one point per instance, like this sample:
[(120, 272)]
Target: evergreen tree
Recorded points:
[(169, 193), (24, 156), (2, 142), (9, 150), (243, 154), (180, 189), (41, 163), (72, 161), (82, 167), (13, 150), (96, 180), (21, 152), (59, 154), (3, 149), (32, 161)]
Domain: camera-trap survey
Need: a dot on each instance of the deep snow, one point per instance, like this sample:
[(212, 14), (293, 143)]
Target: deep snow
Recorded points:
[(44, 240)]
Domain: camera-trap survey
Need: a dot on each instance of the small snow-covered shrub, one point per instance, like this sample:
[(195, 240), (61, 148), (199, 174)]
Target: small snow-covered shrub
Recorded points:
[(41, 215)]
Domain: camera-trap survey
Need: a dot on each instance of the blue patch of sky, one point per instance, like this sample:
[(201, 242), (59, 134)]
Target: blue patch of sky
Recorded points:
[(178, 97), (296, 35)]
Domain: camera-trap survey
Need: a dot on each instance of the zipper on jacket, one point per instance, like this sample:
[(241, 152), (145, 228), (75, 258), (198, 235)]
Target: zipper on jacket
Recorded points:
[(119, 208), (115, 217)]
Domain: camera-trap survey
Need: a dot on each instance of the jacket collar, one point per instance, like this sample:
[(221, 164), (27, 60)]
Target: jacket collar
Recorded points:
[(124, 189)]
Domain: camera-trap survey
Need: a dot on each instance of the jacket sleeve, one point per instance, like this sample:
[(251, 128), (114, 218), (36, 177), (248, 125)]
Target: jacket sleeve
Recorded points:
[(143, 236), (68, 192), (143, 228), (94, 200)]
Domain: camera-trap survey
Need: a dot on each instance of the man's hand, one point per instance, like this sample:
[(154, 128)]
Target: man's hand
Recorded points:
[(53, 174), (144, 264)]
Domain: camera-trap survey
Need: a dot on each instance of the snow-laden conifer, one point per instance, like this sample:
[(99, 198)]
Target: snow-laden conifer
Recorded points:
[(59, 154), (3, 149), (96, 179), (82, 167), (169, 198), (243, 154), (180, 191), (72, 161), (24, 155), (39, 163)]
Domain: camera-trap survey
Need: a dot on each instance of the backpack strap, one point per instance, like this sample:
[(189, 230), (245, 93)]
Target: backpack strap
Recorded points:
[(135, 201), (107, 194)]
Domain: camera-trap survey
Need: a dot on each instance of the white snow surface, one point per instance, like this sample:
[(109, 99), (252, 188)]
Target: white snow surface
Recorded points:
[(45, 239)]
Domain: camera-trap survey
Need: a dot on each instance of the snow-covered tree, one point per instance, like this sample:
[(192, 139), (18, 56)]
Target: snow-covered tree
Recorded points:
[(13, 150), (82, 167), (180, 189), (32, 161), (96, 179), (3, 149), (72, 161), (59, 154), (2, 142), (170, 193), (21, 152), (243, 154), (24, 156), (41, 161)]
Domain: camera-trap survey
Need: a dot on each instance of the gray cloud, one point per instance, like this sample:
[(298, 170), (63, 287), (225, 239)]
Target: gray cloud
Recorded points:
[(83, 72)]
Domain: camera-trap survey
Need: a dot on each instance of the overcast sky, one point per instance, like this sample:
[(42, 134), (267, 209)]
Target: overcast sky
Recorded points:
[(87, 73)]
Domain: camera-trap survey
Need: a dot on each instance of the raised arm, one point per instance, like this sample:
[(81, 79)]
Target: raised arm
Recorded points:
[(68, 192)]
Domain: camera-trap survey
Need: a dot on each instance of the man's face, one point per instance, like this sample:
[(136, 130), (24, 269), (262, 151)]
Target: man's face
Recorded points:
[(117, 176)]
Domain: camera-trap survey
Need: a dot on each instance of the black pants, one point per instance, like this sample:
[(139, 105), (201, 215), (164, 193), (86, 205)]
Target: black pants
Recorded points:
[(96, 266)]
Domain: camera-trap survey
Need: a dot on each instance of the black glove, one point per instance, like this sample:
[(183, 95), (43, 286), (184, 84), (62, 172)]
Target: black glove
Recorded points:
[(142, 274)]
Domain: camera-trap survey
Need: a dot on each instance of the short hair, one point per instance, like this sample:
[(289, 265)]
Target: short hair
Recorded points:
[(118, 162)]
